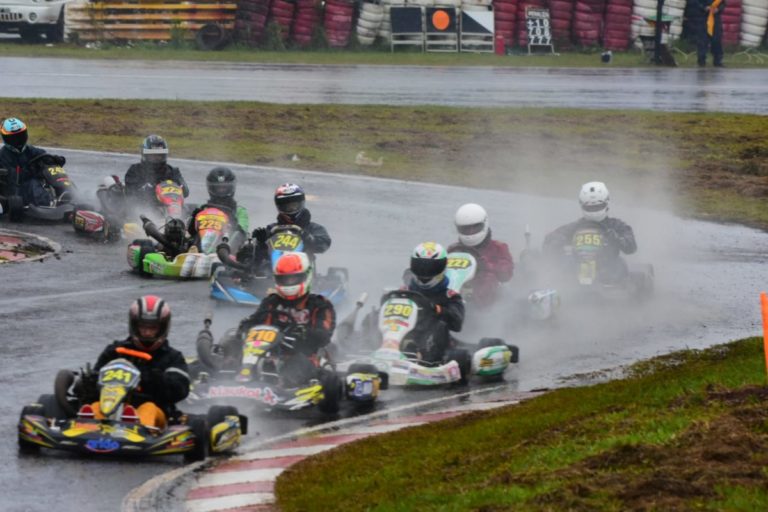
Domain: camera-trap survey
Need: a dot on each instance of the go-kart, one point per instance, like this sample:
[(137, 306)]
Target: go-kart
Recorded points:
[(264, 368), (589, 268), (177, 256), (67, 420), (241, 284), (408, 327), (110, 221), (56, 182)]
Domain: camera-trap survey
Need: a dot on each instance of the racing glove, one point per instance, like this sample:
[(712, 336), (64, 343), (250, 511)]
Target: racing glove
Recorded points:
[(59, 160), (260, 234), (309, 240)]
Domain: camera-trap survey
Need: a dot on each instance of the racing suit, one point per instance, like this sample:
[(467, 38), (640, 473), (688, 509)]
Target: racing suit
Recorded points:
[(619, 238), (494, 266), (141, 178), (310, 319), (164, 378), (21, 179), (448, 307)]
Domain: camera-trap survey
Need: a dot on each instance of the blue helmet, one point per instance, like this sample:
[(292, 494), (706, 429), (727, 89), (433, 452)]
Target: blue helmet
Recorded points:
[(14, 133)]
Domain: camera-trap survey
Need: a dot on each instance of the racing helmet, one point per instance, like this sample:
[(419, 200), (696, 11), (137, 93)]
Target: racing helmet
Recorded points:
[(14, 133), (293, 275), (289, 199), (472, 224), (154, 151), (428, 263), (149, 320), (594, 198), (221, 183)]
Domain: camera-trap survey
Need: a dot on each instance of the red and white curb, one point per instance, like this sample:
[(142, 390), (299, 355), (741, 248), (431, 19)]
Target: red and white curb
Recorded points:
[(246, 482)]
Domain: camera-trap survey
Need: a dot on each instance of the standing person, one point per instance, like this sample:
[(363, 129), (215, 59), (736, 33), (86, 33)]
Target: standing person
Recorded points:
[(494, 261), (709, 25), (141, 178), (20, 178)]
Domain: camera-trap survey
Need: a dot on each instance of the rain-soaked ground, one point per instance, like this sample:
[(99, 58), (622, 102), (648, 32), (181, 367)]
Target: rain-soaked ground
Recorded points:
[(59, 313), (664, 89)]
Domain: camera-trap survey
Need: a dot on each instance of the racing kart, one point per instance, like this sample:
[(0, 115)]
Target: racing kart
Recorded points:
[(67, 420), (110, 221), (55, 181), (263, 368), (590, 269), (407, 328), (241, 284), (177, 256)]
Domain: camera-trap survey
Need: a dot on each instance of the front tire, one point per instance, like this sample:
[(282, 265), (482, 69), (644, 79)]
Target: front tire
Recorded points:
[(35, 410), (199, 427), (62, 383), (333, 391)]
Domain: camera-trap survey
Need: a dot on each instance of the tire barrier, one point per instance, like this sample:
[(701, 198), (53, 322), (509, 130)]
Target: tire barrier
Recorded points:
[(754, 20), (337, 21), (251, 20)]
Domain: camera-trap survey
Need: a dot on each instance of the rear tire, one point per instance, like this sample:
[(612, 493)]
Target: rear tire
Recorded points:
[(62, 383), (51, 407), (217, 413), (199, 427), (333, 390), (490, 342)]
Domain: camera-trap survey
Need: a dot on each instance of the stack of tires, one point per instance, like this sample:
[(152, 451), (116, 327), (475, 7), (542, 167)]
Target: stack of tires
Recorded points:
[(338, 22), (522, 29), (618, 25), (640, 27), (676, 9), (368, 22), (588, 22), (504, 19), (281, 12), (304, 23), (754, 18), (561, 17), (385, 29), (250, 20), (731, 17)]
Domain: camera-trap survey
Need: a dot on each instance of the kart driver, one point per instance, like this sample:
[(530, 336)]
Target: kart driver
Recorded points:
[(17, 177), (494, 261), (428, 263), (141, 178), (619, 238), (307, 317), (164, 376), (222, 183)]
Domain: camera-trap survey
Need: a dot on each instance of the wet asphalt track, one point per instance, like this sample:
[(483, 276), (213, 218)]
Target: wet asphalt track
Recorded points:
[(664, 89), (61, 312)]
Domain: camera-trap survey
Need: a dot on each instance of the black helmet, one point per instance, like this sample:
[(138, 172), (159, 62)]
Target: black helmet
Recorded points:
[(221, 183), (154, 150), (14, 133), (149, 320)]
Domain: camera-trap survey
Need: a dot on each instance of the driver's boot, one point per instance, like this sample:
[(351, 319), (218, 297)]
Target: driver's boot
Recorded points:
[(150, 415)]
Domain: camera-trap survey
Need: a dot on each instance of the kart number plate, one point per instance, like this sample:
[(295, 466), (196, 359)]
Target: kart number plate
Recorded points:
[(288, 241)]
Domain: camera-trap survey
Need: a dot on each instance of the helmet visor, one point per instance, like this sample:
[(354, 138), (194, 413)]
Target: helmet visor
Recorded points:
[(425, 269), (149, 331), (155, 155), (221, 189), (290, 279), (471, 229), (290, 206), (17, 140), (594, 207)]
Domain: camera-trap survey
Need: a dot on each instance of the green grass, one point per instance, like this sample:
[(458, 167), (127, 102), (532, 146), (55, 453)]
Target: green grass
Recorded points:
[(144, 51), (712, 166), (682, 432)]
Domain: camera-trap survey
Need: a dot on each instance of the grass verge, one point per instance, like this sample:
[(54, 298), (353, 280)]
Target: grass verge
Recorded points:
[(576, 59), (685, 431), (712, 166)]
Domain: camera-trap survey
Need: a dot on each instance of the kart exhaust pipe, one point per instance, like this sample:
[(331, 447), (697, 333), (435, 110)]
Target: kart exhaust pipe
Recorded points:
[(224, 253), (151, 230), (345, 328)]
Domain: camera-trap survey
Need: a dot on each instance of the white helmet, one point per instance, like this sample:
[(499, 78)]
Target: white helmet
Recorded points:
[(293, 275), (472, 224), (594, 199)]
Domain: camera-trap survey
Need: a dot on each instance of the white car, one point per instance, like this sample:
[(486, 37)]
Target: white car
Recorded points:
[(33, 19)]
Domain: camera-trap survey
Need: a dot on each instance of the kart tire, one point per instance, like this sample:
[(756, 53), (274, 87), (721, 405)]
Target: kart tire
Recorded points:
[(32, 409), (515, 353), (370, 368), (199, 427), (462, 357), (61, 384), (51, 407), (333, 389), (15, 209), (146, 247), (217, 413), (490, 342)]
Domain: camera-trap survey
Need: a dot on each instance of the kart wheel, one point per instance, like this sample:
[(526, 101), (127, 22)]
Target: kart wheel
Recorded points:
[(217, 413), (490, 342), (515, 353), (199, 427), (51, 407), (333, 389), (24, 445), (370, 368), (146, 247), (62, 383)]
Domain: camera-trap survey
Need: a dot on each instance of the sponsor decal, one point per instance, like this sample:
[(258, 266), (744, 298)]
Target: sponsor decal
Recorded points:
[(265, 394), (102, 445)]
